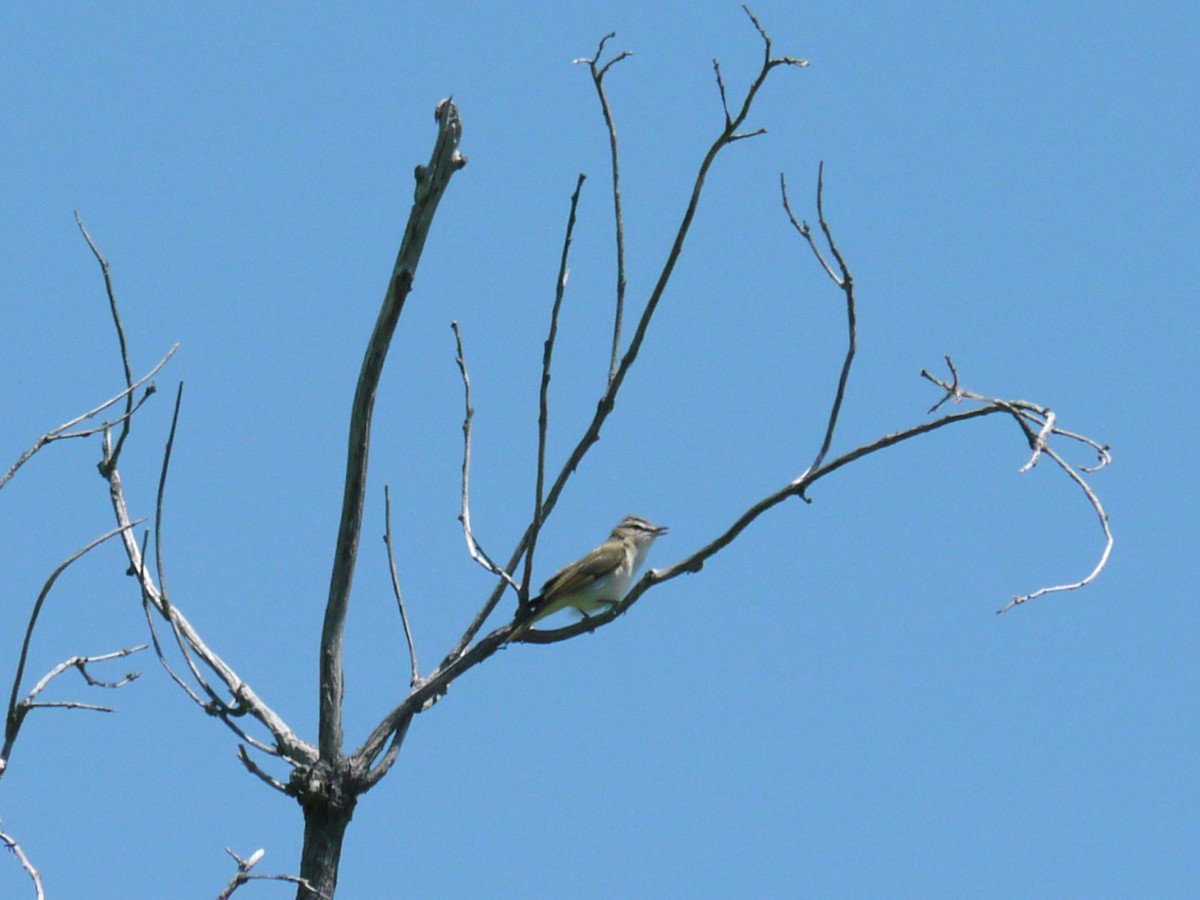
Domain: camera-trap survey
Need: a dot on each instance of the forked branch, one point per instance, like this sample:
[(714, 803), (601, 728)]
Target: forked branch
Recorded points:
[(598, 72), (607, 403)]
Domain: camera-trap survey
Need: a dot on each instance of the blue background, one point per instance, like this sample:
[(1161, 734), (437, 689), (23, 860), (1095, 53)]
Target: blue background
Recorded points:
[(830, 708)]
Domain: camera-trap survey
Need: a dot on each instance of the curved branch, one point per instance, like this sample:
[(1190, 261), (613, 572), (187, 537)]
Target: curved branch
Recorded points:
[(15, 715), (431, 184), (10, 842)]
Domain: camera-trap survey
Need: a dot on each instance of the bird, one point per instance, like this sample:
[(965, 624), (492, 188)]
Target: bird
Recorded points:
[(600, 579)]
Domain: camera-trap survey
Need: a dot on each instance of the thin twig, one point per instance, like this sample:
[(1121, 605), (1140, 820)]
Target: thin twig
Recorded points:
[(464, 516), (62, 433), (22, 708), (243, 875), (391, 555), (215, 704), (116, 317), (598, 73), (162, 487), (560, 288), (254, 769)]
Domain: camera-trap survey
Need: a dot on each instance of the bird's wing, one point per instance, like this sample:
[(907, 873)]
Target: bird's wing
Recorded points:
[(580, 575)]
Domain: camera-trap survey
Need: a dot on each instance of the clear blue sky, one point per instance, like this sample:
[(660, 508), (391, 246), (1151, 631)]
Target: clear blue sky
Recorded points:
[(831, 708)]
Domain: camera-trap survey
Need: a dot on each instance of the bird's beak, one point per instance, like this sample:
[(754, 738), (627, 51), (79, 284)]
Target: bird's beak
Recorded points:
[(660, 529)]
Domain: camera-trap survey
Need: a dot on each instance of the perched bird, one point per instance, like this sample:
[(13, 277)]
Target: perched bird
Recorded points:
[(600, 580)]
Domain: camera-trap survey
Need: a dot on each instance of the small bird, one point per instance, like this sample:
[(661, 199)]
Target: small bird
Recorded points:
[(600, 579)]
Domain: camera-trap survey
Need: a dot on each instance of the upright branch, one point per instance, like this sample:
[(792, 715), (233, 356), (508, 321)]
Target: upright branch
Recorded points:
[(115, 311), (431, 184), (728, 135), (598, 72), (560, 288), (845, 282), (391, 555), (464, 516)]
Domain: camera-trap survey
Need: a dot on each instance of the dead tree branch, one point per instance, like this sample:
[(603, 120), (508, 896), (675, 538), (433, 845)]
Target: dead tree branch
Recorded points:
[(560, 288), (1037, 423), (391, 555), (431, 184), (62, 432), (245, 701), (19, 709), (464, 516), (243, 875), (15, 849), (598, 72), (845, 282)]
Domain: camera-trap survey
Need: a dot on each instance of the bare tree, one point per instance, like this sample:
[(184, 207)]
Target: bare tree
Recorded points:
[(326, 778)]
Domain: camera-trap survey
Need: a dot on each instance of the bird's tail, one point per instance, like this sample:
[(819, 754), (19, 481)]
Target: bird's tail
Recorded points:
[(536, 616)]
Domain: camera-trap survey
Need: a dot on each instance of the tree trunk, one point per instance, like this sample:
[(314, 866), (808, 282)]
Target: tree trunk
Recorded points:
[(328, 807)]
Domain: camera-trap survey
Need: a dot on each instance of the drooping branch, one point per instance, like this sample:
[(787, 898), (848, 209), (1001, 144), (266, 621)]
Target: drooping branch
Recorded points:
[(1031, 416), (432, 181)]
